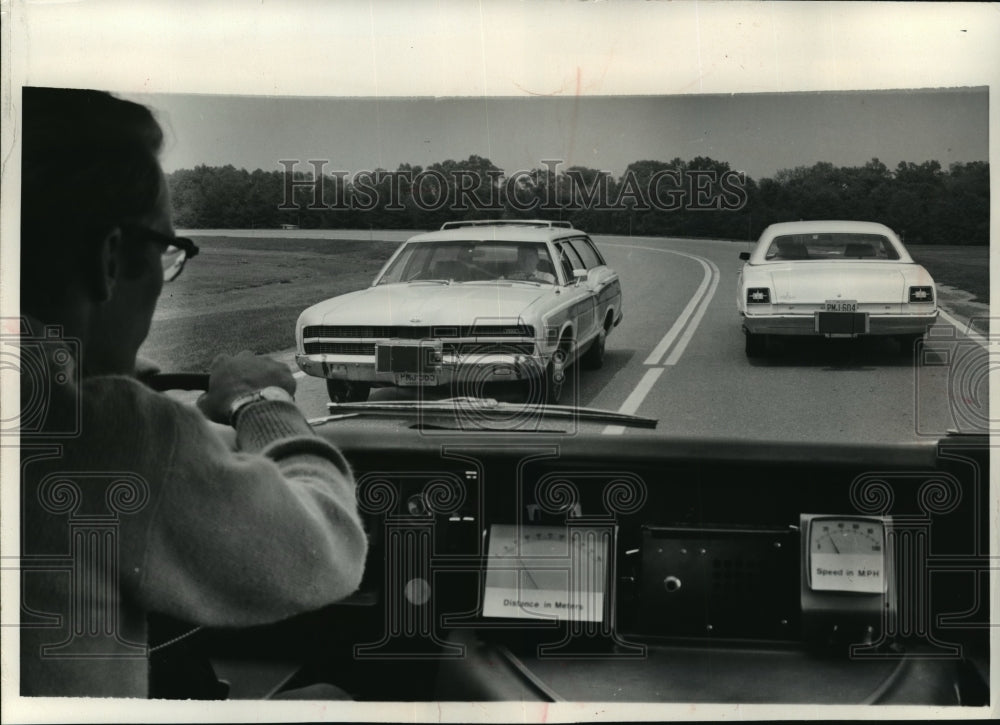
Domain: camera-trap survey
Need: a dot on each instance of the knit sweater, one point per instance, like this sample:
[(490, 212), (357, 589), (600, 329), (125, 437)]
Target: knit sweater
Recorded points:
[(133, 502)]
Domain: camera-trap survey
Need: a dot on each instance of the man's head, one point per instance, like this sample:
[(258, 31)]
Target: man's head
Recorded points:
[(527, 257), (93, 198)]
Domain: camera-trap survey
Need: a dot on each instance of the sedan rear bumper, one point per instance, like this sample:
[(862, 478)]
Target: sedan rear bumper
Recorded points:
[(806, 324)]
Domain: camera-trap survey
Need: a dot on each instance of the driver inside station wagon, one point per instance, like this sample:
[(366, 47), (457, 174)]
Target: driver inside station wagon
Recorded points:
[(530, 266)]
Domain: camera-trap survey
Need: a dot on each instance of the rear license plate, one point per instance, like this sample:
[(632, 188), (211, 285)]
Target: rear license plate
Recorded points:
[(416, 379), (842, 323), (840, 306)]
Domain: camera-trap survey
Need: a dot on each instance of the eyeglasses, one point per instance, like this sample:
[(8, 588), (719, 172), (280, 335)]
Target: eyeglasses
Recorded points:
[(178, 249)]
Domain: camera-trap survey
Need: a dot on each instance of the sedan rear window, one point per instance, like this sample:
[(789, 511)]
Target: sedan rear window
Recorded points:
[(831, 245)]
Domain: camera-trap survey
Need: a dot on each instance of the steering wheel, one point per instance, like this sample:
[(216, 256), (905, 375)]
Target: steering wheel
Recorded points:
[(176, 381)]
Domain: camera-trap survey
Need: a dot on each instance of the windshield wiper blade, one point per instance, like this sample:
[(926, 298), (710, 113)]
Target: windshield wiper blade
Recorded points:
[(482, 405), (536, 283), (503, 281)]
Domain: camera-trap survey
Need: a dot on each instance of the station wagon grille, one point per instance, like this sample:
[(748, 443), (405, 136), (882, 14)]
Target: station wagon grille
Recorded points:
[(451, 348), (340, 348), (498, 348), (417, 332), (500, 331)]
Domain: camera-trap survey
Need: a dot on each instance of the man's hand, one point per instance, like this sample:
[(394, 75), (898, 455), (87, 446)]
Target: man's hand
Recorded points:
[(234, 375)]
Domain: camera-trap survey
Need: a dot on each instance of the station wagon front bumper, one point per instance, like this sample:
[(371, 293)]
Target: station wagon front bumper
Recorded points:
[(476, 363), (805, 324)]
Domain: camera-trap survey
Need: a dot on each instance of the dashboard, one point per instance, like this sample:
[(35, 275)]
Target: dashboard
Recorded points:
[(598, 568)]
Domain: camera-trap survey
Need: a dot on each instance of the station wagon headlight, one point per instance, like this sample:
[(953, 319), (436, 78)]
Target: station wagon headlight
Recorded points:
[(921, 294), (758, 296)]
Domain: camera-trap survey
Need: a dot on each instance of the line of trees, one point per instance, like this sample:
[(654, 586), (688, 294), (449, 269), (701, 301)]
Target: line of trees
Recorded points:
[(700, 197)]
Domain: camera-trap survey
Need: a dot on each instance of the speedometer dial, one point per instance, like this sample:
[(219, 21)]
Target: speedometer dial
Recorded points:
[(847, 555)]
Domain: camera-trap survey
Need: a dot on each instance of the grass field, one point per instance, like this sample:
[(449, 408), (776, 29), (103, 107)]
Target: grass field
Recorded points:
[(967, 268), (245, 292)]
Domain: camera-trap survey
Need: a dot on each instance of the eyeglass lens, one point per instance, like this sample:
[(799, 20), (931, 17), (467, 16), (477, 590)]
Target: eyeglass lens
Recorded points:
[(173, 262)]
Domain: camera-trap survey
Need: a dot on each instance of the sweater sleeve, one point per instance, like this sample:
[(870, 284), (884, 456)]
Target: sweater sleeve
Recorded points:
[(252, 536)]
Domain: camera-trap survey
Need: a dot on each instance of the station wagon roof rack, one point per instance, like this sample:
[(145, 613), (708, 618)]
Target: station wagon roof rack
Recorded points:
[(508, 223)]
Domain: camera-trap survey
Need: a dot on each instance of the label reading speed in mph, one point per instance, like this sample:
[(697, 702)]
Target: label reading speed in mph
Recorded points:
[(847, 555)]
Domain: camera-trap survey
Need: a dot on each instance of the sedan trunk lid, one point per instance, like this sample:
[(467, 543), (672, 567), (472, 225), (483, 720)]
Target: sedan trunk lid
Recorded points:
[(806, 283)]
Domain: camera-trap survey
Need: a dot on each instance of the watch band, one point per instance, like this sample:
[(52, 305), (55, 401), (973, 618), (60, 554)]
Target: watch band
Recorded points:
[(272, 392)]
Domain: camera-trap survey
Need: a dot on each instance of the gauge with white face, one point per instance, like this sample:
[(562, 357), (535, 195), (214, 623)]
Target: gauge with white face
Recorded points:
[(547, 572), (847, 554)]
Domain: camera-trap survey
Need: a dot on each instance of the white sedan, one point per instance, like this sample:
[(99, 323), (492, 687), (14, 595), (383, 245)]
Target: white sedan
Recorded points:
[(833, 279), (475, 302)]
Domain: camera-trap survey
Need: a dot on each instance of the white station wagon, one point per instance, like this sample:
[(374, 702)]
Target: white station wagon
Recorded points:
[(473, 303), (833, 279)]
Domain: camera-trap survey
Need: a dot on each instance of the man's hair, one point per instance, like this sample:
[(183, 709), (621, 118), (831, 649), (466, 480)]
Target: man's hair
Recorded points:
[(89, 163)]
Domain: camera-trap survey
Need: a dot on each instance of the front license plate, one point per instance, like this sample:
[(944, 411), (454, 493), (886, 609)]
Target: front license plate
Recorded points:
[(840, 306), (416, 379)]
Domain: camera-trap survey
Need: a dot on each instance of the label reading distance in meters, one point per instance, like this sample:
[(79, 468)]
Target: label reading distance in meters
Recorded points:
[(847, 555), (546, 572)]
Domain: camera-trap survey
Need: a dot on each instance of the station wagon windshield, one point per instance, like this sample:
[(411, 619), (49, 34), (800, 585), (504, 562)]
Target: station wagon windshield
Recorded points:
[(471, 261)]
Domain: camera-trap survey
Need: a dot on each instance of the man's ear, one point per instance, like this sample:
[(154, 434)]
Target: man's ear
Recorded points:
[(106, 266)]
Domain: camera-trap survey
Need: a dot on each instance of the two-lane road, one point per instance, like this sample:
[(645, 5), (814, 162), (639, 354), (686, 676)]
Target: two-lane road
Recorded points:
[(678, 356)]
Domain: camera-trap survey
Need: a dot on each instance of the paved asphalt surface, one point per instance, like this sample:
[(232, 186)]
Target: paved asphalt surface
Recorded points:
[(678, 356)]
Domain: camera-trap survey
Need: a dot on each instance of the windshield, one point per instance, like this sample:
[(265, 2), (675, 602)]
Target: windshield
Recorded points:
[(656, 290), (471, 261), (830, 246)]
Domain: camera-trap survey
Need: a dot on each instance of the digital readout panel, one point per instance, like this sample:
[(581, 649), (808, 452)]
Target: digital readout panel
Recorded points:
[(547, 572), (847, 555)]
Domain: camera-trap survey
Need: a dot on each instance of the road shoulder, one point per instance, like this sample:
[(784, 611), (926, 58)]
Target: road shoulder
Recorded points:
[(961, 305)]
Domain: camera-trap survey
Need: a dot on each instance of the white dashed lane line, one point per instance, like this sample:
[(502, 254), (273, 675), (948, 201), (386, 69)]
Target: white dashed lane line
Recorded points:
[(635, 398), (708, 284), (682, 344), (676, 340)]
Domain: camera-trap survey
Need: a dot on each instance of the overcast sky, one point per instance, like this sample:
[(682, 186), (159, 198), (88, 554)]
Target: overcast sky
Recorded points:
[(763, 86), (756, 133)]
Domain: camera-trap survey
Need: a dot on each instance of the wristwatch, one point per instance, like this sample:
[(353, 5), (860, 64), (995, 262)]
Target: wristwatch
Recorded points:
[(272, 392)]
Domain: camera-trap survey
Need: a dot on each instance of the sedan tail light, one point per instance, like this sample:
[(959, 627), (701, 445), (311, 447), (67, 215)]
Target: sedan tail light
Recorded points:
[(758, 296), (921, 294)]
